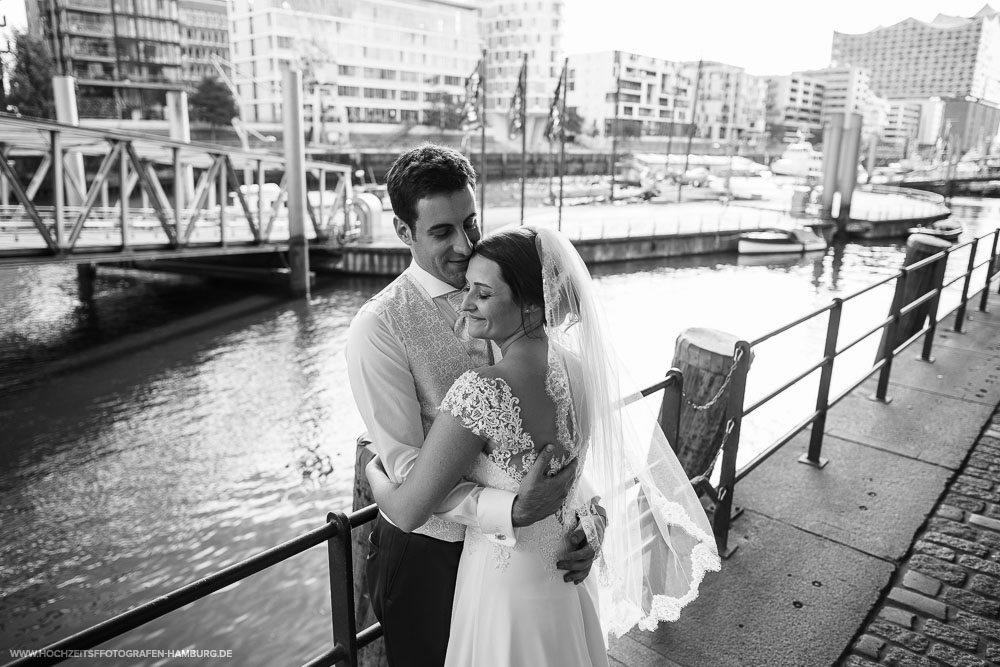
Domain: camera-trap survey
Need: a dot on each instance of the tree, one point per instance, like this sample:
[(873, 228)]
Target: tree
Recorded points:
[(213, 103), (573, 122), (31, 78), (444, 111)]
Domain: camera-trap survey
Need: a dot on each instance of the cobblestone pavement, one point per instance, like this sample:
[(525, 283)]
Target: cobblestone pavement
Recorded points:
[(942, 607)]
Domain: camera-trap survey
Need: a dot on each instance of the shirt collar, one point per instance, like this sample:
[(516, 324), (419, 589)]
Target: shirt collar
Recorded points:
[(434, 287)]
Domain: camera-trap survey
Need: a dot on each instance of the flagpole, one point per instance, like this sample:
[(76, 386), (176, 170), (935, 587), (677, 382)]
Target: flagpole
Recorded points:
[(614, 122), (482, 144), (524, 127), (691, 130), (562, 139)]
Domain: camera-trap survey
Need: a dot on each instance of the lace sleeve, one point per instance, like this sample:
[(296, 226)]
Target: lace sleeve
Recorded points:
[(481, 404)]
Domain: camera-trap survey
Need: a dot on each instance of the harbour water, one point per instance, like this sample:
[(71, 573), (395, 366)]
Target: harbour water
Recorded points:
[(128, 478)]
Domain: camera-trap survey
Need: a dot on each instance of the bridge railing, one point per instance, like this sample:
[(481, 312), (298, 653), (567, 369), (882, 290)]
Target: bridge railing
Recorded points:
[(161, 193), (347, 640)]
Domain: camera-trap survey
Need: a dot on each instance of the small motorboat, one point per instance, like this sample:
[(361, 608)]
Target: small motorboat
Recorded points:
[(776, 240), (942, 229)]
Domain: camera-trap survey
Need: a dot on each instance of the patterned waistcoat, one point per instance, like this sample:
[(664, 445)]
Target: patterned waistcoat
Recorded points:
[(436, 358)]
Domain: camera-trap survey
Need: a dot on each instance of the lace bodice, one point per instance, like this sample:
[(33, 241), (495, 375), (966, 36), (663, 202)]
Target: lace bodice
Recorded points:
[(488, 407)]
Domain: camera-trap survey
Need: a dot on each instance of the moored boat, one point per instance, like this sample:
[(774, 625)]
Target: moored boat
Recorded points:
[(776, 240), (942, 229)]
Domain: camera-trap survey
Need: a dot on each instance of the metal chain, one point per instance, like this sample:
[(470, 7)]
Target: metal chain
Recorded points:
[(722, 389), (722, 447)]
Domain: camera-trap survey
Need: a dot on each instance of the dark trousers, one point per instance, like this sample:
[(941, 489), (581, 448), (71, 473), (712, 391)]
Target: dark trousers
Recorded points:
[(411, 582)]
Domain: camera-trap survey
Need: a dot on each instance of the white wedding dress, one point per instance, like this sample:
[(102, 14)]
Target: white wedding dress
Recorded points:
[(512, 607)]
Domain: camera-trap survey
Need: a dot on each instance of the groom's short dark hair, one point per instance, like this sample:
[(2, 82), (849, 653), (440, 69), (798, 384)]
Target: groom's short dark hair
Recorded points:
[(425, 171)]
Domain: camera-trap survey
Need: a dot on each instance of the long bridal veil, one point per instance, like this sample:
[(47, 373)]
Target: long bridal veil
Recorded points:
[(658, 544)]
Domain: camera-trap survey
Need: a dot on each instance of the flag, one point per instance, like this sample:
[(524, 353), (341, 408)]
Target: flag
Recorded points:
[(517, 103), (554, 130), (472, 117)]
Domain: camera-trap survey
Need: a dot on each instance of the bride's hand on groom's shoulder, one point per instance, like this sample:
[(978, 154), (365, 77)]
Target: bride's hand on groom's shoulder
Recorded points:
[(540, 494)]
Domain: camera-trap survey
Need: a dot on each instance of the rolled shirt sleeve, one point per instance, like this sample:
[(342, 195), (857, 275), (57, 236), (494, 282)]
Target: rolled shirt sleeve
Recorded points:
[(386, 396)]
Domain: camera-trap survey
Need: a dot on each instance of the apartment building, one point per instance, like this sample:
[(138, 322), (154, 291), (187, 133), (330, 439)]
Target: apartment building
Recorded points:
[(848, 90), (124, 54), (653, 95), (731, 104), (204, 28), (902, 129), (794, 107), (510, 30), (371, 63)]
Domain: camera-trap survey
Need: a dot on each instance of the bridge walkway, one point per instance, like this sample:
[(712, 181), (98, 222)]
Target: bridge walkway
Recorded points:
[(77, 194)]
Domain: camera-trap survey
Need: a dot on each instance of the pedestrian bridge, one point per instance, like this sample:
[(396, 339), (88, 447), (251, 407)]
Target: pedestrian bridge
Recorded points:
[(83, 195)]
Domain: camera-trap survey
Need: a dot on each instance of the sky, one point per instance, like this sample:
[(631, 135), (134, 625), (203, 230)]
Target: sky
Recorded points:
[(764, 36)]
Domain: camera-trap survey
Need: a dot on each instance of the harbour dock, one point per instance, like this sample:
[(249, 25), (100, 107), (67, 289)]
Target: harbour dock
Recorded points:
[(886, 556), (639, 230)]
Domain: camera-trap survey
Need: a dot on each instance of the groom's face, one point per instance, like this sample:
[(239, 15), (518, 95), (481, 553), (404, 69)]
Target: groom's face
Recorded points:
[(444, 234)]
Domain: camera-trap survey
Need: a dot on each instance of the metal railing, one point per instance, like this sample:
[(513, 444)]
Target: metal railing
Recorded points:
[(347, 640), (833, 348)]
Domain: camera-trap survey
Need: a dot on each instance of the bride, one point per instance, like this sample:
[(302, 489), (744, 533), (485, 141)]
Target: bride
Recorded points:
[(558, 382)]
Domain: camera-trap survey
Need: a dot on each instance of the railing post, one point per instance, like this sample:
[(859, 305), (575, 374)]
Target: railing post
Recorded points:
[(939, 267), (223, 196), (345, 631), (890, 337), (985, 296), (59, 188), (813, 458), (960, 314), (178, 192), (124, 192), (671, 406), (730, 447)]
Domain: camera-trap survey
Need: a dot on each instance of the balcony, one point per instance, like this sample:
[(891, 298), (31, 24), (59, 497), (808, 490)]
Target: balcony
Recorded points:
[(103, 6)]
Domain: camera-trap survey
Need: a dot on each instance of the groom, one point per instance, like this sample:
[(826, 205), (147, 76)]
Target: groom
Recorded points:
[(405, 348)]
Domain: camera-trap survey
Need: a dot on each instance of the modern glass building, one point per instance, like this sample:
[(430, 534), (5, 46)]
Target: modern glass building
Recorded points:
[(951, 56), (373, 64), (954, 58), (125, 54)]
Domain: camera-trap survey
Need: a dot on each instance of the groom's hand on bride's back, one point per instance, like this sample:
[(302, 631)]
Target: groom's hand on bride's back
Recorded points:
[(541, 494)]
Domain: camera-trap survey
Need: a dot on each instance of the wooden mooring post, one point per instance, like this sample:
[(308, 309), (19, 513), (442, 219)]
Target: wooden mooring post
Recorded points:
[(910, 286), (918, 283), (705, 358)]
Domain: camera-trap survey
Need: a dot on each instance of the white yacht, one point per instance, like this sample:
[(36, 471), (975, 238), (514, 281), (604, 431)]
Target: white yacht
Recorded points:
[(799, 159)]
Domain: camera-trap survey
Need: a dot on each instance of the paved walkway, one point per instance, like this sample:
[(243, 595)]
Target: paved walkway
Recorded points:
[(943, 604), (890, 555)]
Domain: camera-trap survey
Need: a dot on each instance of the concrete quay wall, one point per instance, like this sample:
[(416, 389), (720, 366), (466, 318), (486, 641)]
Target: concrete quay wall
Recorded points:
[(385, 260), (597, 251)]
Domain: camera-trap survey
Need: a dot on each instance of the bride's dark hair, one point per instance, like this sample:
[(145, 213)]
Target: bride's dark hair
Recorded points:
[(515, 253)]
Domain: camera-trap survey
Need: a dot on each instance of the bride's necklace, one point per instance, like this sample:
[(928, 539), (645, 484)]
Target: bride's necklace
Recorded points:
[(510, 341)]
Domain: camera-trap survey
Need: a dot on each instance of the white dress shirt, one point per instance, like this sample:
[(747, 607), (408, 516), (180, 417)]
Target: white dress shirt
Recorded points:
[(386, 397)]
